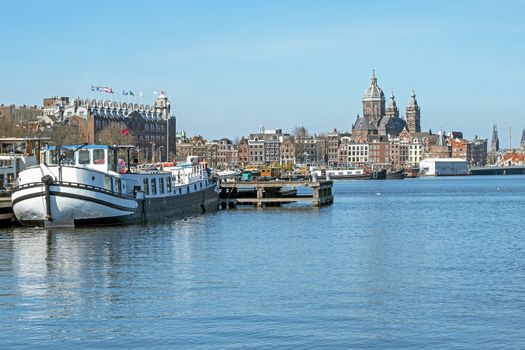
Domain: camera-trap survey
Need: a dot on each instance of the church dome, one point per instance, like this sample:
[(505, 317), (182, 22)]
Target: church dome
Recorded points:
[(373, 90)]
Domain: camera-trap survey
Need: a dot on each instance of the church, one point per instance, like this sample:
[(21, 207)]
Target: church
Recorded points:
[(381, 120)]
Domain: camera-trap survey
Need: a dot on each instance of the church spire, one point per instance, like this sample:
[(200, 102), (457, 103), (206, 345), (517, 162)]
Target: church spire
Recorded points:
[(522, 143), (413, 114), (392, 100), (412, 101), (495, 139)]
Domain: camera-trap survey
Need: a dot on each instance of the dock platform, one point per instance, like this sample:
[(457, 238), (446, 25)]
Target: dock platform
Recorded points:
[(498, 170), (274, 193)]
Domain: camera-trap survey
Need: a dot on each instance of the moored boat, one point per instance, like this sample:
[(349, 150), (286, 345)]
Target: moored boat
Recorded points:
[(90, 185), (395, 174), (348, 174)]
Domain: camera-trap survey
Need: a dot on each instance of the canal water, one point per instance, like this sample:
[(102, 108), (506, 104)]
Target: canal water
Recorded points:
[(430, 263)]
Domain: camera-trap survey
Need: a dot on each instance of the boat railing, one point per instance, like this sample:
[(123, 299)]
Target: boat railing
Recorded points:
[(76, 185)]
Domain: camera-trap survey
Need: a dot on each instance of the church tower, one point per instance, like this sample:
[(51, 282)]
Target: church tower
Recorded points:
[(374, 102), (391, 108), (162, 105), (495, 139), (522, 143), (413, 115)]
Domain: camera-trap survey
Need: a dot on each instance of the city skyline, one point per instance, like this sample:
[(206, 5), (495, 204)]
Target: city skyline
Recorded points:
[(229, 67)]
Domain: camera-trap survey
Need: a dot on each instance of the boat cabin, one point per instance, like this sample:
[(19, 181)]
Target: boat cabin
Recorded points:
[(16, 154), (103, 158)]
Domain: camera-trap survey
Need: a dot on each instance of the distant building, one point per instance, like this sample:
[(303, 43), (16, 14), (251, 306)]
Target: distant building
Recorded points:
[(310, 150), (460, 148), (243, 152), (398, 152), (256, 149), (379, 151), (333, 140), (362, 129), (495, 139), (147, 123), (357, 153), (413, 115), (379, 119), (20, 114), (415, 152), (391, 124), (479, 152), (493, 155), (287, 153)]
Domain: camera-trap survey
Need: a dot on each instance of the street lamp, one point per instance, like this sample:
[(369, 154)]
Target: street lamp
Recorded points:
[(152, 152)]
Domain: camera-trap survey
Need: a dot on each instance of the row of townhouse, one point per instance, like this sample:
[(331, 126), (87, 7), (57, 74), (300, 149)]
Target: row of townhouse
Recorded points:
[(273, 147)]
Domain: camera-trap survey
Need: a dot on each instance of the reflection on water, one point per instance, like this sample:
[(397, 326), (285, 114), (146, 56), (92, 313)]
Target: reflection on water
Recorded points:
[(429, 263)]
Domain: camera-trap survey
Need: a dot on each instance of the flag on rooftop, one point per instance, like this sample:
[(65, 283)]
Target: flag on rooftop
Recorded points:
[(131, 93), (107, 89)]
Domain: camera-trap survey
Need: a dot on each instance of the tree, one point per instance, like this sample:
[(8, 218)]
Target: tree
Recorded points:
[(115, 134), (64, 134), (300, 131), (10, 128)]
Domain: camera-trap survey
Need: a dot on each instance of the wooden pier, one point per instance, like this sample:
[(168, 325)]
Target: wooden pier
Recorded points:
[(6, 212), (498, 170), (274, 193)]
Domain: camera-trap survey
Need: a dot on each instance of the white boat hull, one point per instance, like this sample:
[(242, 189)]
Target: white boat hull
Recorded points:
[(83, 207), (68, 204)]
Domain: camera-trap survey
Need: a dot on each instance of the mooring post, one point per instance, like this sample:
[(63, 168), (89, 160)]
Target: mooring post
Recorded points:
[(315, 195), (260, 195)]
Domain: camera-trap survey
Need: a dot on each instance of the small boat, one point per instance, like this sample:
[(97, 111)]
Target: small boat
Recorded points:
[(380, 174), (395, 174), (89, 185), (349, 174)]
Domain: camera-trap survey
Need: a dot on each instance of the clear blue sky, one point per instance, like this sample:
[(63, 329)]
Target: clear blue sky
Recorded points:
[(231, 66)]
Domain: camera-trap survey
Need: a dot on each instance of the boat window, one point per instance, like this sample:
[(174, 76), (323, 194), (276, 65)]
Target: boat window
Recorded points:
[(7, 148), (168, 183), (52, 157), (200, 184), (153, 186), (67, 157), (161, 185), (187, 189), (83, 156), (119, 186), (20, 147), (206, 182), (111, 160), (195, 187), (108, 183), (146, 186), (6, 163), (98, 156)]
